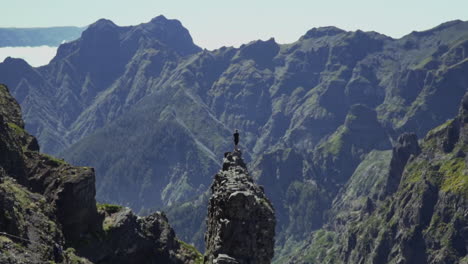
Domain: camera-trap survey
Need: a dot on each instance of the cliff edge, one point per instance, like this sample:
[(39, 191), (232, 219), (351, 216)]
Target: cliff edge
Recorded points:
[(48, 210)]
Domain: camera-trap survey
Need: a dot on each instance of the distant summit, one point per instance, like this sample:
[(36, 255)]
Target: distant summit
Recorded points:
[(322, 31), (169, 31), (92, 63), (454, 24), (150, 111)]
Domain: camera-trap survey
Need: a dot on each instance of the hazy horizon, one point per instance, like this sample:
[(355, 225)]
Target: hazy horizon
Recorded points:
[(214, 24), (41, 55), (35, 56)]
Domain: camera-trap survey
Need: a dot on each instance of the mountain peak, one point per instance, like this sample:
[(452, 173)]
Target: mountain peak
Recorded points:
[(322, 31), (171, 32), (102, 23), (450, 25), (103, 30), (260, 51), (258, 45), (259, 42), (15, 62), (10, 112), (160, 18)]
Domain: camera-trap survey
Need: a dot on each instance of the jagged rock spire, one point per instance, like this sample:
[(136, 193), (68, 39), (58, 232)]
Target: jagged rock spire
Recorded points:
[(406, 146), (463, 112), (241, 220)]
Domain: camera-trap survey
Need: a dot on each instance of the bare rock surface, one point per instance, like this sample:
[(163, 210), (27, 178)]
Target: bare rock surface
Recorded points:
[(241, 219)]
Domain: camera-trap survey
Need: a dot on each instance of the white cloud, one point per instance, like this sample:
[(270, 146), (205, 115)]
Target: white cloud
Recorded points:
[(35, 56)]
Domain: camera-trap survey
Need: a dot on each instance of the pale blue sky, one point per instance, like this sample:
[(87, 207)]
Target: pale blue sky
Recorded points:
[(214, 23)]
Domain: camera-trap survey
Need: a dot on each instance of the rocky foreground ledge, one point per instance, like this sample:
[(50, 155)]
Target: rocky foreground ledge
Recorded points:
[(241, 220), (48, 210)]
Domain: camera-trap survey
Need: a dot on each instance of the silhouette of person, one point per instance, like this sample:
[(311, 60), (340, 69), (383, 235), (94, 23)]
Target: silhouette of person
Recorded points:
[(236, 139)]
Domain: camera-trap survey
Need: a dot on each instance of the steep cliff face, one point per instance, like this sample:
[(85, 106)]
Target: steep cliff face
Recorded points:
[(423, 220), (157, 86), (47, 206), (86, 74), (304, 186), (297, 97), (406, 146), (127, 238), (241, 219)]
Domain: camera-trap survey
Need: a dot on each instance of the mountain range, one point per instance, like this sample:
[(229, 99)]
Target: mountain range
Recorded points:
[(319, 118)]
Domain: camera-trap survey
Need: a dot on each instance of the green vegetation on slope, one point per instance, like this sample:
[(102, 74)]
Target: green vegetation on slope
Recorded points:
[(176, 112), (193, 250), (422, 221), (18, 130), (108, 208), (455, 176)]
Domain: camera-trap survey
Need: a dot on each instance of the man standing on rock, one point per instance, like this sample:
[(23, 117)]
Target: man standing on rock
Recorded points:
[(236, 139)]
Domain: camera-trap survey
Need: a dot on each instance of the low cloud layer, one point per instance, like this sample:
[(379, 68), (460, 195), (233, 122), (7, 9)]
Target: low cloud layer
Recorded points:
[(35, 56)]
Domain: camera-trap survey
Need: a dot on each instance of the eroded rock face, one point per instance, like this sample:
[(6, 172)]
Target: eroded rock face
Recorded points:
[(423, 221), (128, 238), (241, 220), (406, 146), (48, 211)]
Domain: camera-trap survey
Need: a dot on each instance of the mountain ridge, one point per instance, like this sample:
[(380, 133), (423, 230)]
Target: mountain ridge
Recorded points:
[(293, 104), (422, 222)]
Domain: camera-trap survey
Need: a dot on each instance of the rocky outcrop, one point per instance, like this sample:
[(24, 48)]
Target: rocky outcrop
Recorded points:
[(127, 238), (262, 52), (86, 67), (10, 111), (280, 96), (406, 146), (422, 221), (241, 220), (336, 158), (48, 205)]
